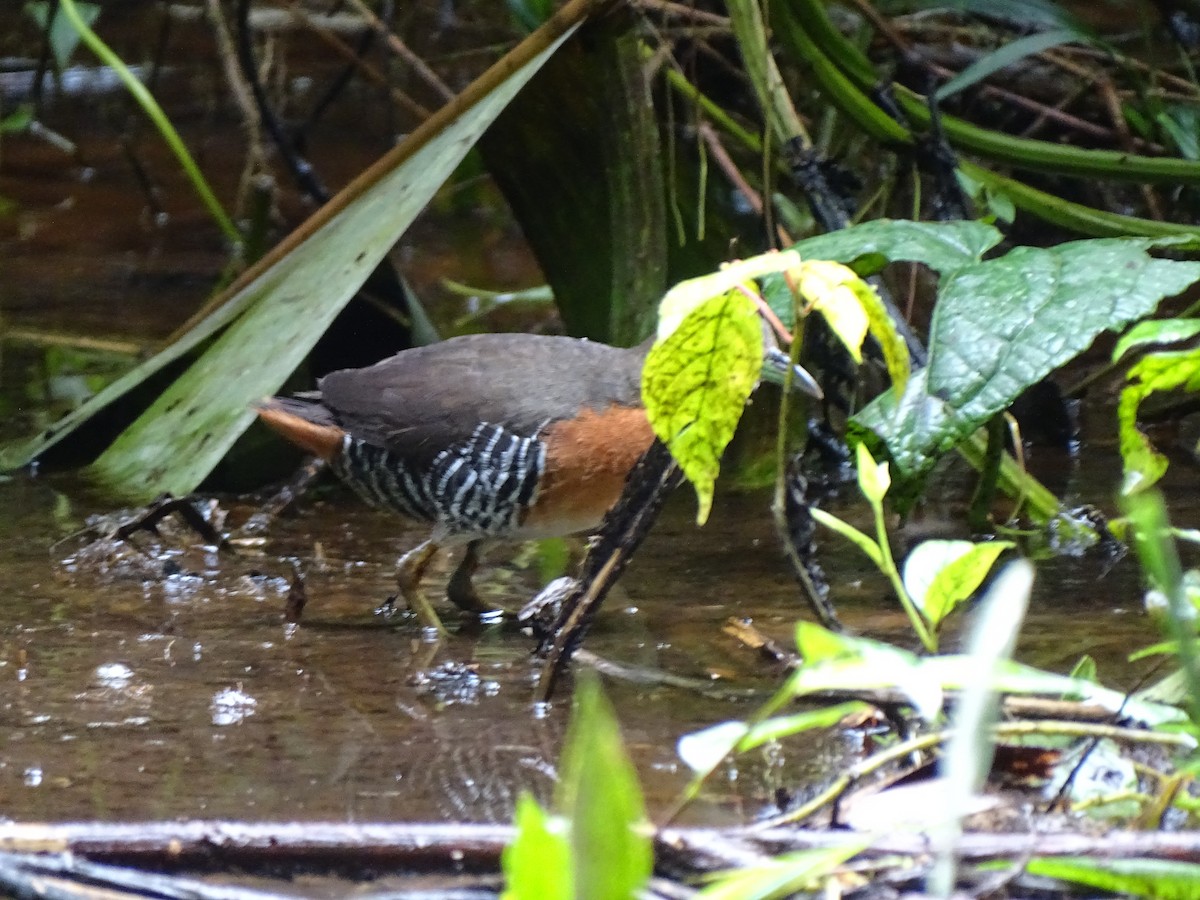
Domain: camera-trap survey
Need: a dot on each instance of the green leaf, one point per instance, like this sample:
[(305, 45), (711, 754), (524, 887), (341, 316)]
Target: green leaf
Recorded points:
[(282, 309), (942, 246), (954, 672), (683, 299), (1085, 669), (862, 541), (852, 308), (17, 120), (783, 876), (1162, 371), (1157, 331), (696, 382), (537, 864), (600, 795), (1183, 125), (1011, 53), (1002, 325), (873, 478), (63, 37), (779, 727), (816, 644), (940, 575), (1162, 879), (835, 662)]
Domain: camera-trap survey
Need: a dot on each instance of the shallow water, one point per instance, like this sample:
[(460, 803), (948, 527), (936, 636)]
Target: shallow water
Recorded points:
[(133, 694), (169, 686)]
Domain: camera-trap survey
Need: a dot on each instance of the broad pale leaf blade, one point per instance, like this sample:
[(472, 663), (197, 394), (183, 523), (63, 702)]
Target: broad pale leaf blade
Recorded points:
[(184, 433), (838, 662), (874, 480), (826, 287), (696, 382), (684, 297), (702, 751)]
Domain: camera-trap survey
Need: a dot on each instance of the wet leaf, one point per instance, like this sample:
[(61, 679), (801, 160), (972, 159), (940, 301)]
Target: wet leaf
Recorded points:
[(1159, 878), (940, 575), (696, 382), (600, 795), (1002, 325), (537, 865)]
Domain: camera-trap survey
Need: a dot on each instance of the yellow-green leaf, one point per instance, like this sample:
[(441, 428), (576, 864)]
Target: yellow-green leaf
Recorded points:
[(874, 479), (696, 382), (1163, 371), (853, 308), (537, 864), (687, 295)]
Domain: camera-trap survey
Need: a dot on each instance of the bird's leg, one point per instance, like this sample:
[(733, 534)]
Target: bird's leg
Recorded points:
[(409, 570), (461, 590)]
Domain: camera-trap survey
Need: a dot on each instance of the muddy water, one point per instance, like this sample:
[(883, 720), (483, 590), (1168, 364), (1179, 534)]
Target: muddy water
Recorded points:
[(138, 687), (132, 694), (164, 684)]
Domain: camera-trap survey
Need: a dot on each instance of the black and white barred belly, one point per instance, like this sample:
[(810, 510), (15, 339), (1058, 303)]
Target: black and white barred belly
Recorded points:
[(480, 486)]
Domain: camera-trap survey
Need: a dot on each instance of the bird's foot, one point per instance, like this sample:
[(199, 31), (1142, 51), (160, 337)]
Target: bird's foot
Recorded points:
[(409, 571), (461, 589)]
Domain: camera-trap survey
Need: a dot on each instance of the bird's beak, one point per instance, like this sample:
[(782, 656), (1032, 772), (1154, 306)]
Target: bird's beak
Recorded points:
[(775, 368)]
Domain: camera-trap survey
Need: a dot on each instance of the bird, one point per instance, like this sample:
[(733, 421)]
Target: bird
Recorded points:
[(483, 437)]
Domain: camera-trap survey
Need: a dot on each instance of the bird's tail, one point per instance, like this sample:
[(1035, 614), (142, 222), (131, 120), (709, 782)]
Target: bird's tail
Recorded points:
[(306, 424)]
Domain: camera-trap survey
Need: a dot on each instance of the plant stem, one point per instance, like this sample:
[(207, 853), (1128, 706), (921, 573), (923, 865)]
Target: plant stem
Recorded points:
[(156, 115), (928, 639)]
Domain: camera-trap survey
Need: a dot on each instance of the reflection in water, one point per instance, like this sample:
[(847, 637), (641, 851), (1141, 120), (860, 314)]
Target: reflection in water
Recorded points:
[(232, 706)]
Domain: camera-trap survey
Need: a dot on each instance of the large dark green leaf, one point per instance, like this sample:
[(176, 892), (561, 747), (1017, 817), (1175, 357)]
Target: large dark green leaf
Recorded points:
[(1002, 325)]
